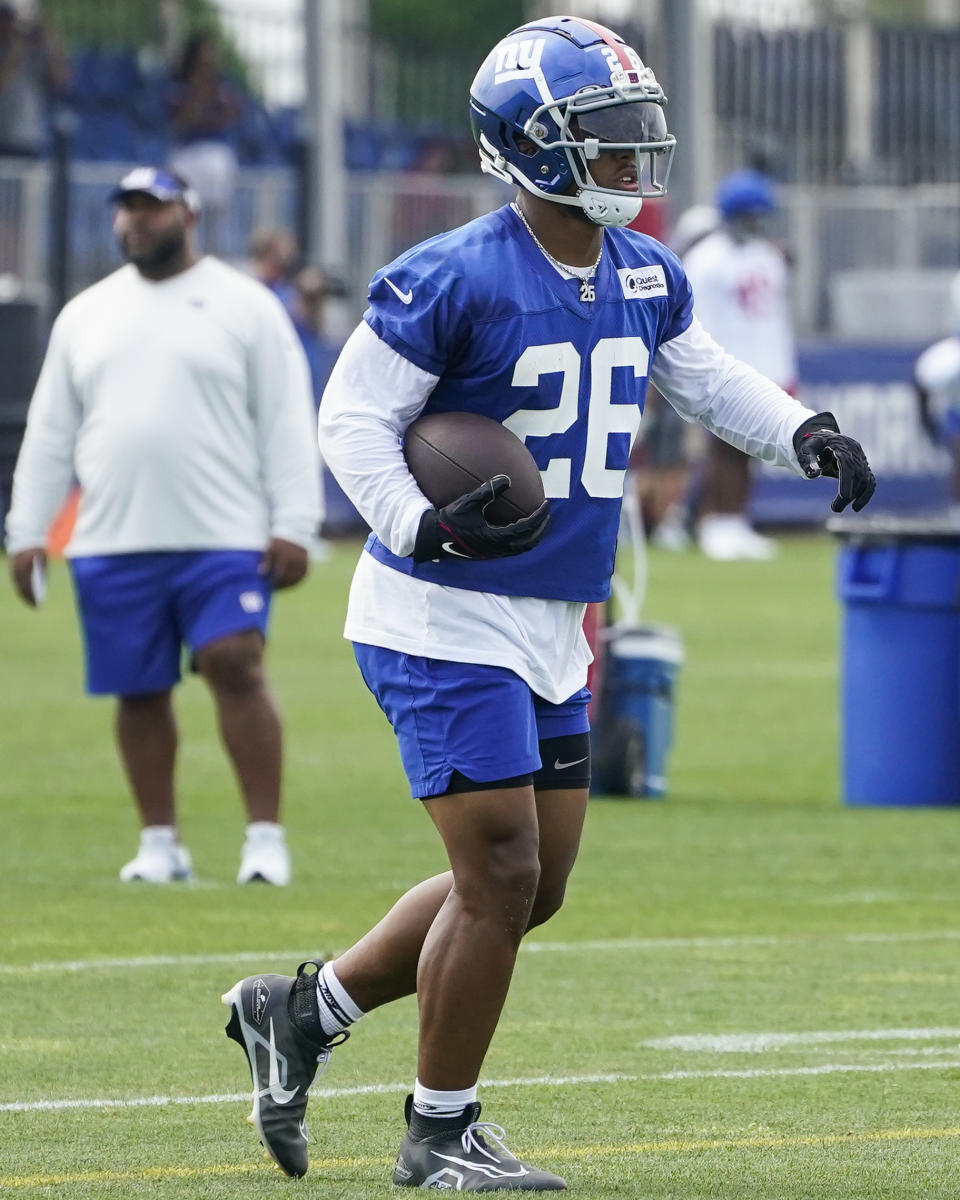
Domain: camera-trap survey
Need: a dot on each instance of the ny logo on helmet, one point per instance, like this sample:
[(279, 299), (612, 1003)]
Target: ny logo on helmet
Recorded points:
[(518, 57)]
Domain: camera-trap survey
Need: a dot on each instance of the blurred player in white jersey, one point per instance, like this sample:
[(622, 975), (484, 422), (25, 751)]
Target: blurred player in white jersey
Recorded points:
[(176, 391), (548, 315), (740, 281), (937, 377)]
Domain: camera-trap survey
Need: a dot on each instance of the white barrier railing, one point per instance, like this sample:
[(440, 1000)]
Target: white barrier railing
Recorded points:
[(831, 231)]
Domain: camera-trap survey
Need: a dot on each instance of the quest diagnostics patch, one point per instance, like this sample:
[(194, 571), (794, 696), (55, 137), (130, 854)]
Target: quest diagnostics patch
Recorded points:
[(640, 283)]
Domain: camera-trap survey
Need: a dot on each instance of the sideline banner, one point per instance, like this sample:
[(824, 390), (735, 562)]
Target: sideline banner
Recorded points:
[(869, 388)]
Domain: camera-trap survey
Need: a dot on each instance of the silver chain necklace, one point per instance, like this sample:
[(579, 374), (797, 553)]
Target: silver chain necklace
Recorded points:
[(588, 291)]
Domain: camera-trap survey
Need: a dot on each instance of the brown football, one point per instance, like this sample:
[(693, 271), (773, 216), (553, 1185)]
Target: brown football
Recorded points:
[(451, 453)]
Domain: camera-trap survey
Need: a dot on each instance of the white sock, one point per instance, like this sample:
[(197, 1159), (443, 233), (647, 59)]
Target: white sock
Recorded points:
[(265, 831), (429, 1103), (158, 835), (337, 1010)]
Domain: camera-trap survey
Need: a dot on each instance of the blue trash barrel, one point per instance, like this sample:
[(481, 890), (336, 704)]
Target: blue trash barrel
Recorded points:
[(899, 581), (633, 725)]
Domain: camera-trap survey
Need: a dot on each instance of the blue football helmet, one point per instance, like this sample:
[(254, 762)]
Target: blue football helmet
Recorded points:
[(551, 97), (745, 193)]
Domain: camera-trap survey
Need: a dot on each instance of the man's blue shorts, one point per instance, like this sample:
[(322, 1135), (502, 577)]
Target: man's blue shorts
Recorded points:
[(137, 612), (482, 721)]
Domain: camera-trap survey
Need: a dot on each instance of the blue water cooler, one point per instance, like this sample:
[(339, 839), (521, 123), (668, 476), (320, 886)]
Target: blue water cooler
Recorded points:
[(633, 722), (899, 581)]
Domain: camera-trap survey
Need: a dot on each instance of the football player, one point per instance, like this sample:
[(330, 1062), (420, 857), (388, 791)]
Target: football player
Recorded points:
[(937, 379), (549, 316)]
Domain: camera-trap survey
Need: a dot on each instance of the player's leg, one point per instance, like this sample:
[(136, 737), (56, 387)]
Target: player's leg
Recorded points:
[(132, 651), (463, 976), (727, 480), (434, 708), (468, 955), (724, 531), (146, 732), (382, 965), (468, 741), (560, 817), (248, 717), (562, 789), (223, 606)]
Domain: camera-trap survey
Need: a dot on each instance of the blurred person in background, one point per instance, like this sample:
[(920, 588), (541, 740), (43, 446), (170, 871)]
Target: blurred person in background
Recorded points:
[(205, 108), (177, 392), (313, 289), (741, 286), (549, 316), (33, 72), (669, 448), (272, 258), (937, 379)]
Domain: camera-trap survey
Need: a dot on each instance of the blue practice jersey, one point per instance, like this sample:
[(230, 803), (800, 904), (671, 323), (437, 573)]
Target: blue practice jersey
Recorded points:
[(510, 338)]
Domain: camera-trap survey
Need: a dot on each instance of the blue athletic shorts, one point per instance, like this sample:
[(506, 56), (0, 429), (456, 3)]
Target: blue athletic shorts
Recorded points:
[(137, 612), (482, 721)]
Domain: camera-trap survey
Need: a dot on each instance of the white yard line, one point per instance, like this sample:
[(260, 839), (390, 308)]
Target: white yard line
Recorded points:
[(612, 945), (155, 960), (361, 1090), (758, 1043), (536, 1081)]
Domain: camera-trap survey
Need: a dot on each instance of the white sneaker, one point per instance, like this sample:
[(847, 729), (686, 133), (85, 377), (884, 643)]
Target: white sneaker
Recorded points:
[(755, 545), (727, 537), (671, 534), (265, 857), (160, 858)]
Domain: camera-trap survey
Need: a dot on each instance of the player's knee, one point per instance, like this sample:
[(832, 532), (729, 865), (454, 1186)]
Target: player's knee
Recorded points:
[(514, 868), (548, 902), (232, 664), (504, 880)]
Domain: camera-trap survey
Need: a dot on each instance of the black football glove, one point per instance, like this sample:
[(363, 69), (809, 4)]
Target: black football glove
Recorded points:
[(460, 529), (823, 450)]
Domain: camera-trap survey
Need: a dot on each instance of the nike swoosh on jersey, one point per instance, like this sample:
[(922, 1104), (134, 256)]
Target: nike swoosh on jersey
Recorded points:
[(277, 1093), (559, 766), (448, 546), (405, 297)]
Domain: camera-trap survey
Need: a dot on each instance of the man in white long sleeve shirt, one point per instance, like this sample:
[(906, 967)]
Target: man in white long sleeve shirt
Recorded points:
[(549, 316), (176, 392), (741, 288)]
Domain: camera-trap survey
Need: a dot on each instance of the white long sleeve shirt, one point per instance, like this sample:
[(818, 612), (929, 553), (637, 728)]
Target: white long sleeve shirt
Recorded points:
[(183, 408), (372, 396), (741, 293)]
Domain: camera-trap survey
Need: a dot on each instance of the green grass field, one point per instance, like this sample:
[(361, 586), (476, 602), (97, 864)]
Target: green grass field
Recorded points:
[(752, 990)]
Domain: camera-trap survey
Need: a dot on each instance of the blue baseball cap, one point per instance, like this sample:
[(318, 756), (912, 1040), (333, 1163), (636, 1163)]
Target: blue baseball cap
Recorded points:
[(745, 192), (161, 184)]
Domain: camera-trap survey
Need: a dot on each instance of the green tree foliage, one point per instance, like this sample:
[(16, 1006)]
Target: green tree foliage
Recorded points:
[(438, 25), (428, 52), (131, 23)]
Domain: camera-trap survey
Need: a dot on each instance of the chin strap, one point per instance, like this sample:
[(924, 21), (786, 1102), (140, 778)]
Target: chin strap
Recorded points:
[(604, 209)]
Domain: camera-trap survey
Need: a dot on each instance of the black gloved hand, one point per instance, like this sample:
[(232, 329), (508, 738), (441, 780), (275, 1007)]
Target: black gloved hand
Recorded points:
[(461, 530), (823, 450)]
